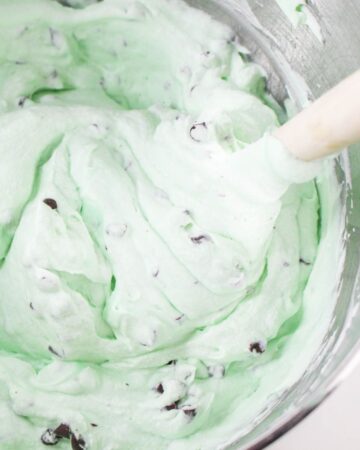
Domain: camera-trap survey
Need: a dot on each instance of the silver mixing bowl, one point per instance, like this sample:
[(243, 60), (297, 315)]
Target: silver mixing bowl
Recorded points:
[(321, 65)]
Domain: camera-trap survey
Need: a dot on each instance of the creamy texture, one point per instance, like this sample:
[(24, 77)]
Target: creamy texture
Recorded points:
[(158, 276)]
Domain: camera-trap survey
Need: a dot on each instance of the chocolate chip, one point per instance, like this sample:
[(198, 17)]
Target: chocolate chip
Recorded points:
[(216, 371), (200, 239), (50, 348), (306, 263), (63, 431), (94, 425), (258, 347), (160, 388), (51, 203), (172, 362), (49, 437), (171, 407), (77, 443), (22, 101), (191, 412)]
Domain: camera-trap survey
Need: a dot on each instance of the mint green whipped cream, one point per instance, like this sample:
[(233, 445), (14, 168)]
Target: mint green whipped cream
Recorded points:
[(161, 275)]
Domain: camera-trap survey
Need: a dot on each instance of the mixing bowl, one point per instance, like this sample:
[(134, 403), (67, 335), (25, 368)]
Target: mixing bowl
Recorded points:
[(279, 46)]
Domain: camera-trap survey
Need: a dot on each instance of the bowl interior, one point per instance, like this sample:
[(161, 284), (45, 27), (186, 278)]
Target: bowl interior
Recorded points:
[(296, 59)]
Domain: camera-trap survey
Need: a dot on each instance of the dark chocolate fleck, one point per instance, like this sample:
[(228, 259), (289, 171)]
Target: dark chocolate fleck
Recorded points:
[(50, 348), (63, 431), (200, 239), (156, 273), (171, 407), (51, 203), (172, 362), (217, 371), (49, 437), (160, 388), (180, 317), (191, 412), (77, 443), (31, 306), (94, 425), (257, 347), (22, 101), (302, 261), (286, 264)]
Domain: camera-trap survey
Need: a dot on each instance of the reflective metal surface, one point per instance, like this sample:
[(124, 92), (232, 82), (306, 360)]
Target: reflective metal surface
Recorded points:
[(321, 65)]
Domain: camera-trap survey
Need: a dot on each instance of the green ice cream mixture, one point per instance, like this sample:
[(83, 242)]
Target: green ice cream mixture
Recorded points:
[(159, 280)]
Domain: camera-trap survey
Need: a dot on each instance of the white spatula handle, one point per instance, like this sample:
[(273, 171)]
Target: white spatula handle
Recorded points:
[(328, 125)]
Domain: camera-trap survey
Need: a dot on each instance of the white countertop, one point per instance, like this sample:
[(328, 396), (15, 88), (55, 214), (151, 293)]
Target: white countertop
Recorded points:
[(335, 425)]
